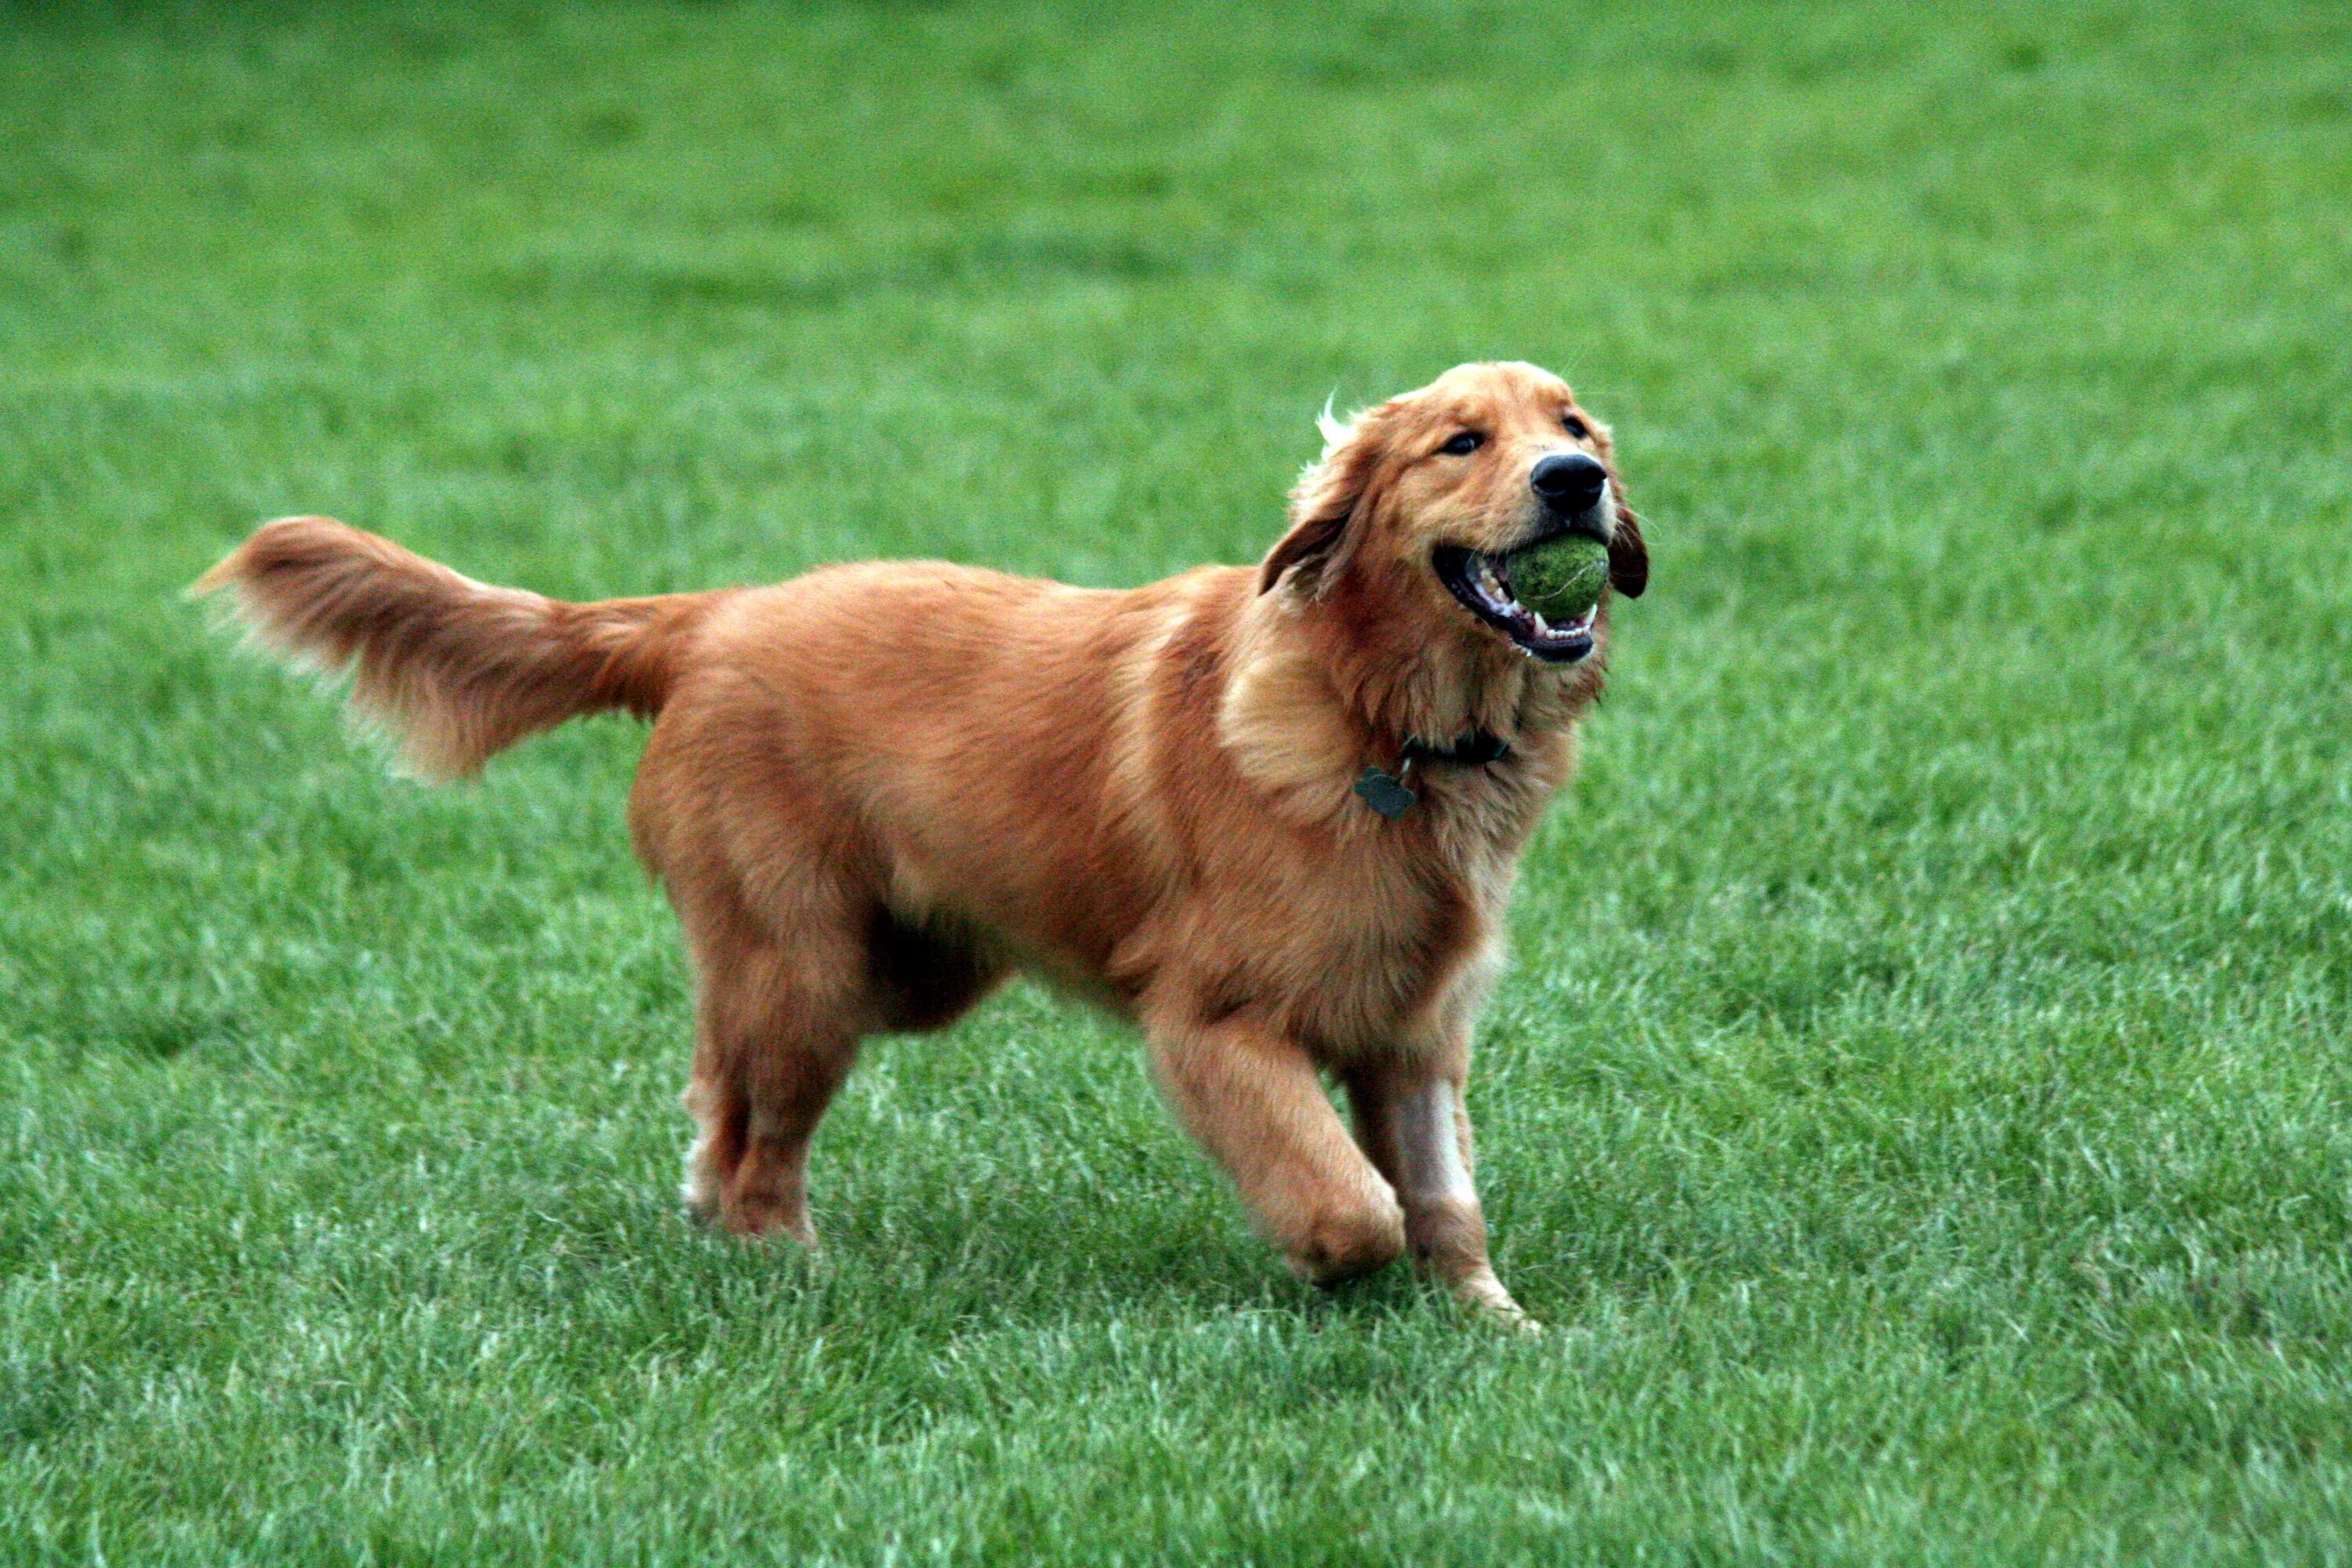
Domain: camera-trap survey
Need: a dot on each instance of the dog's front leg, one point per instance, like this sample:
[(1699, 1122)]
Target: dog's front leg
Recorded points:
[(1411, 1119), (1256, 1101)]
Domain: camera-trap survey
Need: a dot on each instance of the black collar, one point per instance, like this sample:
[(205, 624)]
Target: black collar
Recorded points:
[(1474, 750), (1391, 796)]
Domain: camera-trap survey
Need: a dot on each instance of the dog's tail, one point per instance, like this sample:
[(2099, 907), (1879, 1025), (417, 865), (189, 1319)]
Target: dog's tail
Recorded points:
[(457, 669)]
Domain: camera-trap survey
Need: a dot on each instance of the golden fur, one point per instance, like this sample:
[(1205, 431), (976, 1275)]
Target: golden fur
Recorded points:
[(874, 790)]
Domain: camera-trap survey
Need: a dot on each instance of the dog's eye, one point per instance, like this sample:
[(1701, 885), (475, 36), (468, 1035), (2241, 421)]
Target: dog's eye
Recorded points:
[(1462, 446), (1576, 427)]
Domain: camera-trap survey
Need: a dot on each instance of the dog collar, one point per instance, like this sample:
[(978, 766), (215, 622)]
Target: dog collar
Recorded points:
[(1390, 793), (1474, 750)]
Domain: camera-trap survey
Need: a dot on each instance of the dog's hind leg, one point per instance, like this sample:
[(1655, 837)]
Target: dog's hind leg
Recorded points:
[(777, 1031), (1255, 1102)]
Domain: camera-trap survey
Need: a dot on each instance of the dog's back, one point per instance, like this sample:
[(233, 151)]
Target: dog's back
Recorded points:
[(980, 749)]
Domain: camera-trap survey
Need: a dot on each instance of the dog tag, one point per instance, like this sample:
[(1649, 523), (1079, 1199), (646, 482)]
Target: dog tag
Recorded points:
[(1384, 794)]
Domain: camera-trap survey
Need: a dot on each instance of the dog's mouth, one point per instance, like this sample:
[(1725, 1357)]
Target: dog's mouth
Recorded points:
[(1483, 584)]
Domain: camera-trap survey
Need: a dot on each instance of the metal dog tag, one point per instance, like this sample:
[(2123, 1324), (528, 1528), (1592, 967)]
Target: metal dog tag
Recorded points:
[(1384, 794)]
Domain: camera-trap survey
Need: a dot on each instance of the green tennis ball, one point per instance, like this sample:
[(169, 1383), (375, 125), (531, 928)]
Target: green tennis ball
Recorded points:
[(1562, 577)]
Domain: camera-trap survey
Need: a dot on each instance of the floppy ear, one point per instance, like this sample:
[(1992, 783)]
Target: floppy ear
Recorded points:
[(1629, 558), (1323, 507)]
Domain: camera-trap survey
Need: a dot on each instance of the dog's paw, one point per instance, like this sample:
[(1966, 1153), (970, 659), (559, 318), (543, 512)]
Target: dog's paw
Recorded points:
[(1485, 1296), (759, 1219)]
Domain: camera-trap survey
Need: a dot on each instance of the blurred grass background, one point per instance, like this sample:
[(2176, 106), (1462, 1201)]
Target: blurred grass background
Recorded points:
[(1920, 1100)]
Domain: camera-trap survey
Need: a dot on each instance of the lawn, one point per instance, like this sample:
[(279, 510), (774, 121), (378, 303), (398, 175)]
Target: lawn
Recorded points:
[(1920, 1106)]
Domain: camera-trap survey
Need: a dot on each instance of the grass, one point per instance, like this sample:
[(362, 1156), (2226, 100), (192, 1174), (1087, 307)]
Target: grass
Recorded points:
[(1919, 1104)]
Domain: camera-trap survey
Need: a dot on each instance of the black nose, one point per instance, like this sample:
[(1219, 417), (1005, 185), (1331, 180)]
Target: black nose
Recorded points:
[(1569, 483)]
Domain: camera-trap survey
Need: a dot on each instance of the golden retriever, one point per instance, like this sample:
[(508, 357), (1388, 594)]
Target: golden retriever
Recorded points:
[(1271, 814)]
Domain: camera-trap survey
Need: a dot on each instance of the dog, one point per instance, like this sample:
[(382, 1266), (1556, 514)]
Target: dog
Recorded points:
[(1271, 815)]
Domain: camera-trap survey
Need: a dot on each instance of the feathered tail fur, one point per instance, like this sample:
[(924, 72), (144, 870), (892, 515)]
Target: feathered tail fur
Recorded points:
[(457, 669)]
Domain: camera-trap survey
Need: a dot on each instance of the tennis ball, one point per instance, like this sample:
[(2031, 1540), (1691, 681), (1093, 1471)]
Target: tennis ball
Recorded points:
[(1560, 577)]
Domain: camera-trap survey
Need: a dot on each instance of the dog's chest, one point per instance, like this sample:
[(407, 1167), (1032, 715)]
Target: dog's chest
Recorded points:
[(1368, 953)]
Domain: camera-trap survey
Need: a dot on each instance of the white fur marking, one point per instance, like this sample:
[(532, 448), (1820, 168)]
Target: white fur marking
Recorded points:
[(1333, 431), (1431, 1143)]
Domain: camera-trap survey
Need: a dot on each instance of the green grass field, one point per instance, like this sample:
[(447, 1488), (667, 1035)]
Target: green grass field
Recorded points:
[(1921, 1104)]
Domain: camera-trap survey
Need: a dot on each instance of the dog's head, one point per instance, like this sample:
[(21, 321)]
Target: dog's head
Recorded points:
[(1424, 495)]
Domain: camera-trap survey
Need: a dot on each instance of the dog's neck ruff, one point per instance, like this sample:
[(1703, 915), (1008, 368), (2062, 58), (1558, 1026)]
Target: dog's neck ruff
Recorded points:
[(1389, 794)]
